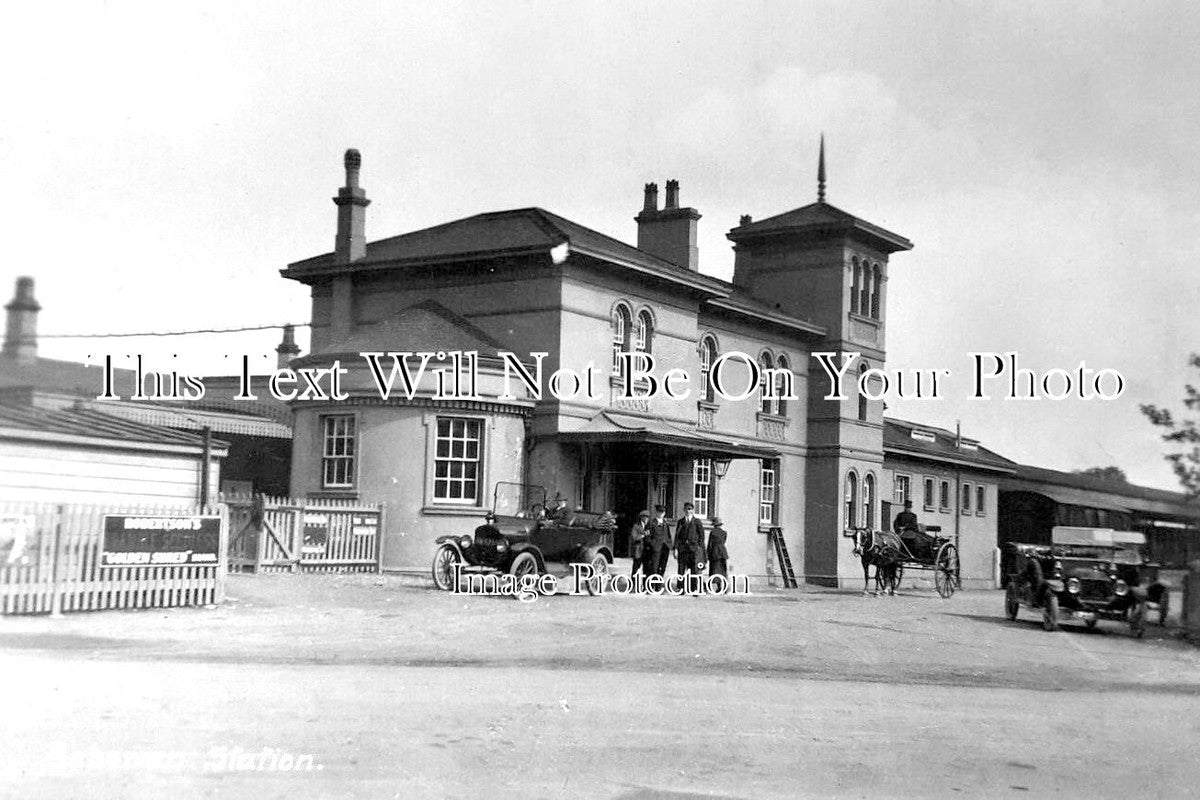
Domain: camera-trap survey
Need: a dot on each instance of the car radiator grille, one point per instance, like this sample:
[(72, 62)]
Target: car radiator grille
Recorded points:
[(1095, 590)]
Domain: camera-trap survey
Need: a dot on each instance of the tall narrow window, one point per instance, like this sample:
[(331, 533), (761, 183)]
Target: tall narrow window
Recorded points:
[(966, 498), (702, 495), (902, 490), (980, 496), (850, 502), (621, 324), (708, 354), (457, 459), (644, 331), (338, 451), (929, 499), (766, 403), (864, 297), (783, 385), (944, 496), (768, 498), (876, 290), (868, 501), (862, 395), (855, 286)]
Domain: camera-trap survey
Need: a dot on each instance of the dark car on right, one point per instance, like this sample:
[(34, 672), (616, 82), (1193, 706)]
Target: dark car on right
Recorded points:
[(1087, 574)]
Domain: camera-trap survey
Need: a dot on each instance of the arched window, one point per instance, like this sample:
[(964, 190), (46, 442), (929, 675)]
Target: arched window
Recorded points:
[(862, 396), (855, 287), (851, 500), (876, 290), (643, 332), (868, 504), (783, 385), (708, 354), (766, 404), (864, 297), (622, 321)]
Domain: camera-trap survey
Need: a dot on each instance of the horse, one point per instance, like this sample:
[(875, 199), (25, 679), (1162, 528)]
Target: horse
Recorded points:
[(881, 549)]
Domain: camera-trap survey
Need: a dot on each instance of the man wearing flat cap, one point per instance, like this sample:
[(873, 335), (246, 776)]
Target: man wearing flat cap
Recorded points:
[(689, 541), (637, 536)]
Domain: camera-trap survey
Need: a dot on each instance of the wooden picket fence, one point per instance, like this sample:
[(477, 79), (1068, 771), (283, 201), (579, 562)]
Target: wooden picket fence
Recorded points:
[(281, 534), (58, 568)]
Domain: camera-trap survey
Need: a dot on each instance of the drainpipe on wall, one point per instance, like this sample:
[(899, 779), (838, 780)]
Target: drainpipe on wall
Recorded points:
[(206, 460)]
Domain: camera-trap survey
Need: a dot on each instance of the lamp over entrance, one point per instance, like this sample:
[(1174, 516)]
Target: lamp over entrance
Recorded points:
[(721, 466)]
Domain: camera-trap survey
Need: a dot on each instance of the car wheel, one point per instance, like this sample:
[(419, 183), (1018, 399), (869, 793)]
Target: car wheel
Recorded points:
[(1012, 606), (1050, 612), (1137, 620), (443, 567), (524, 564), (595, 584)]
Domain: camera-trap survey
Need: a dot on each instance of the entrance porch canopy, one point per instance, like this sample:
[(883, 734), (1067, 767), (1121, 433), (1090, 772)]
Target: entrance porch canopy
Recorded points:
[(610, 427)]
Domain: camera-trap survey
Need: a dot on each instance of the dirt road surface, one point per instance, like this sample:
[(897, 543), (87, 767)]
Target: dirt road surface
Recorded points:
[(379, 686)]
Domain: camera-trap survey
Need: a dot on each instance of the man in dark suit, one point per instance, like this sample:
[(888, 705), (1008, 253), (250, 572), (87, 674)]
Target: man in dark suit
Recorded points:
[(637, 536), (657, 543), (718, 556), (689, 541)]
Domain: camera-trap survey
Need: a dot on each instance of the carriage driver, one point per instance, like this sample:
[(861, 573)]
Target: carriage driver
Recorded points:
[(906, 525)]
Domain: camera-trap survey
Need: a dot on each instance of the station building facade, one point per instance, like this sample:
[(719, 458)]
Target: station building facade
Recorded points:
[(526, 282)]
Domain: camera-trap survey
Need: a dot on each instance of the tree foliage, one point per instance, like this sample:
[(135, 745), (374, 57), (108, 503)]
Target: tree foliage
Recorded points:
[(1182, 433), (1110, 474)]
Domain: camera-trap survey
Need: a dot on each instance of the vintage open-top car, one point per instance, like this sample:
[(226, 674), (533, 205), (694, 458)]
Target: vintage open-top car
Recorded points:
[(1085, 573), (523, 537)]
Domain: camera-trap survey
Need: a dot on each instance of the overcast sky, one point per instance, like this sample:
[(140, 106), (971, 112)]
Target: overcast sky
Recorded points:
[(164, 161)]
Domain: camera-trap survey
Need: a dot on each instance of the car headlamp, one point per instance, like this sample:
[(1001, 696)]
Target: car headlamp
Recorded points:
[(464, 542), (1121, 588), (1073, 585), (501, 546)]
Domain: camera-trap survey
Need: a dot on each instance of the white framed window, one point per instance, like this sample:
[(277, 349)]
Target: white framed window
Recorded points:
[(783, 385), (929, 498), (850, 501), (702, 485), (966, 498), (980, 497), (458, 455), (868, 501), (643, 332), (766, 403), (768, 493), (944, 496), (339, 446), (708, 354), (621, 324), (902, 490)]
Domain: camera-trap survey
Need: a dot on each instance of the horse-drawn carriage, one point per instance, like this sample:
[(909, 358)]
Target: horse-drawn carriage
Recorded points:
[(919, 549)]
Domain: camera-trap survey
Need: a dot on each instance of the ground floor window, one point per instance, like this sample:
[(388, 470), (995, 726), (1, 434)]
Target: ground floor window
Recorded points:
[(868, 499), (768, 493), (851, 498), (338, 448), (929, 494), (457, 457), (966, 498), (702, 491), (944, 496), (902, 489)]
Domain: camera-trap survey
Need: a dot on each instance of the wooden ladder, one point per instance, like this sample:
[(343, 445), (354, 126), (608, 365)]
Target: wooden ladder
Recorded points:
[(785, 561)]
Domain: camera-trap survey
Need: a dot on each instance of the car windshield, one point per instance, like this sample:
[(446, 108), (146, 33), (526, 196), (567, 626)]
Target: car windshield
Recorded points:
[(517, 499)]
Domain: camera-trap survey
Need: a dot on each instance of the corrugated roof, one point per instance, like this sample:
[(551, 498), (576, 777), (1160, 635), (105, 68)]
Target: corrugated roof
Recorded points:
[(93, 424), (1092, 483)]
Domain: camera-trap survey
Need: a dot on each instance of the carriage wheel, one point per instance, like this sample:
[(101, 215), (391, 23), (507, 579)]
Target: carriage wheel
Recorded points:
[(945, 570)]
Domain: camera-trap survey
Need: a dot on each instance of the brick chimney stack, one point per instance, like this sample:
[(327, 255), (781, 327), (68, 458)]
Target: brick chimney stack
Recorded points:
[(352, 202), (287, 349), (669, 233), (20, 334)]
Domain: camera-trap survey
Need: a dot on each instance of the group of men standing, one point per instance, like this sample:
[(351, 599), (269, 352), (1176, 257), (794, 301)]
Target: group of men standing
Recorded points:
[(651, 543)]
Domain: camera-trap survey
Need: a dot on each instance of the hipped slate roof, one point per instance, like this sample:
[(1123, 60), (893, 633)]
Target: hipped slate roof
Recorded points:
[(818, 219), (898, 440)]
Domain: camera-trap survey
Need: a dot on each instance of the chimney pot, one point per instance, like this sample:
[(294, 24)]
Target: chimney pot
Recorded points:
[(672, 194), (20, 335), (651, 203), (351, 241), (745, 220)]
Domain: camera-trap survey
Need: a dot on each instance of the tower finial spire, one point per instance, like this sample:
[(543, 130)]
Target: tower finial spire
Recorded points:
[(821, 172)]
